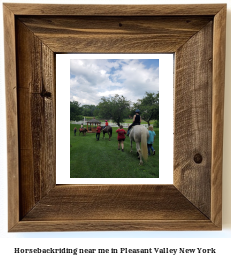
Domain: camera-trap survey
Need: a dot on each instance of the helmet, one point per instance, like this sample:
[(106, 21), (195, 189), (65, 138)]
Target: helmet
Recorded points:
[(137, 110), (105, 120)]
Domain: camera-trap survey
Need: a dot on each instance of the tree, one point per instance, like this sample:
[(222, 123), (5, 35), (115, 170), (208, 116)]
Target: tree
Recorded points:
[(149, 107), (88, 110), (96, 112), (75, 111), (115, 108)]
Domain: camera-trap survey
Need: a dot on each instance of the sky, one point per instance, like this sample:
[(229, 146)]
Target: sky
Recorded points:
[(92, 79)]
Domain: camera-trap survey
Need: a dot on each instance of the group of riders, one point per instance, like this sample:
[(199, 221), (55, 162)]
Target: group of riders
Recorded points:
[(121, 133)]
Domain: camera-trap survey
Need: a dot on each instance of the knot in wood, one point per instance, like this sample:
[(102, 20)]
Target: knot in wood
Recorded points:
[(45, 94), (120, 24), (198, 158)]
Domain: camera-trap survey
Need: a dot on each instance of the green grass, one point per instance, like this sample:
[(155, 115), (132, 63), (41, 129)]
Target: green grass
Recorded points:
[(102, 159)]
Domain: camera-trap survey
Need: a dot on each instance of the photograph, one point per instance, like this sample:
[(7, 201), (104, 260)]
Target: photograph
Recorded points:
[(114, 118), (96, 90)]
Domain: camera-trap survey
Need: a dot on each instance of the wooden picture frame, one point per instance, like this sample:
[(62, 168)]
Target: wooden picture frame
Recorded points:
[(33, 34)]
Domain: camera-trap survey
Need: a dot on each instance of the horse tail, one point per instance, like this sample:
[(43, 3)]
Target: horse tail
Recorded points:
[(144, 149)]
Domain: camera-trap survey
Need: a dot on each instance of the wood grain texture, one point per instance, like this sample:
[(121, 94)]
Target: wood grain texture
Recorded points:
[(114, 225), (114, 207), (114, 10), (194, 201), (35, 66), (11, 116), (115, 34), (218, 114), (114, 202), (193, 114)]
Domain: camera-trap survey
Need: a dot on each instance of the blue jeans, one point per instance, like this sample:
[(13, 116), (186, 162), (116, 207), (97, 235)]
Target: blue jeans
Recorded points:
[(150, 147)]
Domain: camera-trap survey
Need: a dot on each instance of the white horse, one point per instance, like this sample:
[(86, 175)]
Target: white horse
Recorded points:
[(140, 134)]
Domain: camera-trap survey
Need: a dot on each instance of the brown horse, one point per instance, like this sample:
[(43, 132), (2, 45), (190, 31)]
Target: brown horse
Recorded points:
[(83, 130), (107, 129)]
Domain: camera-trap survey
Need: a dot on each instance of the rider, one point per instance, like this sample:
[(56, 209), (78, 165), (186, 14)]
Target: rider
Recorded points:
[(106, 124), (136, 120)]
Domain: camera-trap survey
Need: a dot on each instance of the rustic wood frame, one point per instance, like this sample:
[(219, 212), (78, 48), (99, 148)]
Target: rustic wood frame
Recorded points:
[(33, 33)]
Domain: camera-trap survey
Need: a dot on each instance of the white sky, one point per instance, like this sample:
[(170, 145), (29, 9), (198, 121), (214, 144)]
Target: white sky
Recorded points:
[(91, 79)]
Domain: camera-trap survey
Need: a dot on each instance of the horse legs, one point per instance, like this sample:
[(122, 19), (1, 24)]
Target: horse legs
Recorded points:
[(139, 152), (131, 146)]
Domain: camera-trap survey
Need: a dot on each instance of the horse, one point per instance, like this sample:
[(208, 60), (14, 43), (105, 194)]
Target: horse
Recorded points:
[(107, 129), (140, 134), (83, 130)]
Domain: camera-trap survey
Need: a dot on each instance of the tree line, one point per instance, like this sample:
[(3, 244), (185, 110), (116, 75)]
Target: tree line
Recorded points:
[(118, 108)]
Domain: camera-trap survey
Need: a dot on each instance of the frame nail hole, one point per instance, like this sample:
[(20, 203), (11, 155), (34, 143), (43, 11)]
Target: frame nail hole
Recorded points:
[(198, 158)]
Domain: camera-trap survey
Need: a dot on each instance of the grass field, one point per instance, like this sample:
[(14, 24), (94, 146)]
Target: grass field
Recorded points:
[(102, 159)]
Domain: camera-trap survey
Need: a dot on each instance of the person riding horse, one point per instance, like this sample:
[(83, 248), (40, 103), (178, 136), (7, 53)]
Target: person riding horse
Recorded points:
[(136, 120), (106, 124), (107, 129), (83, 130)]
